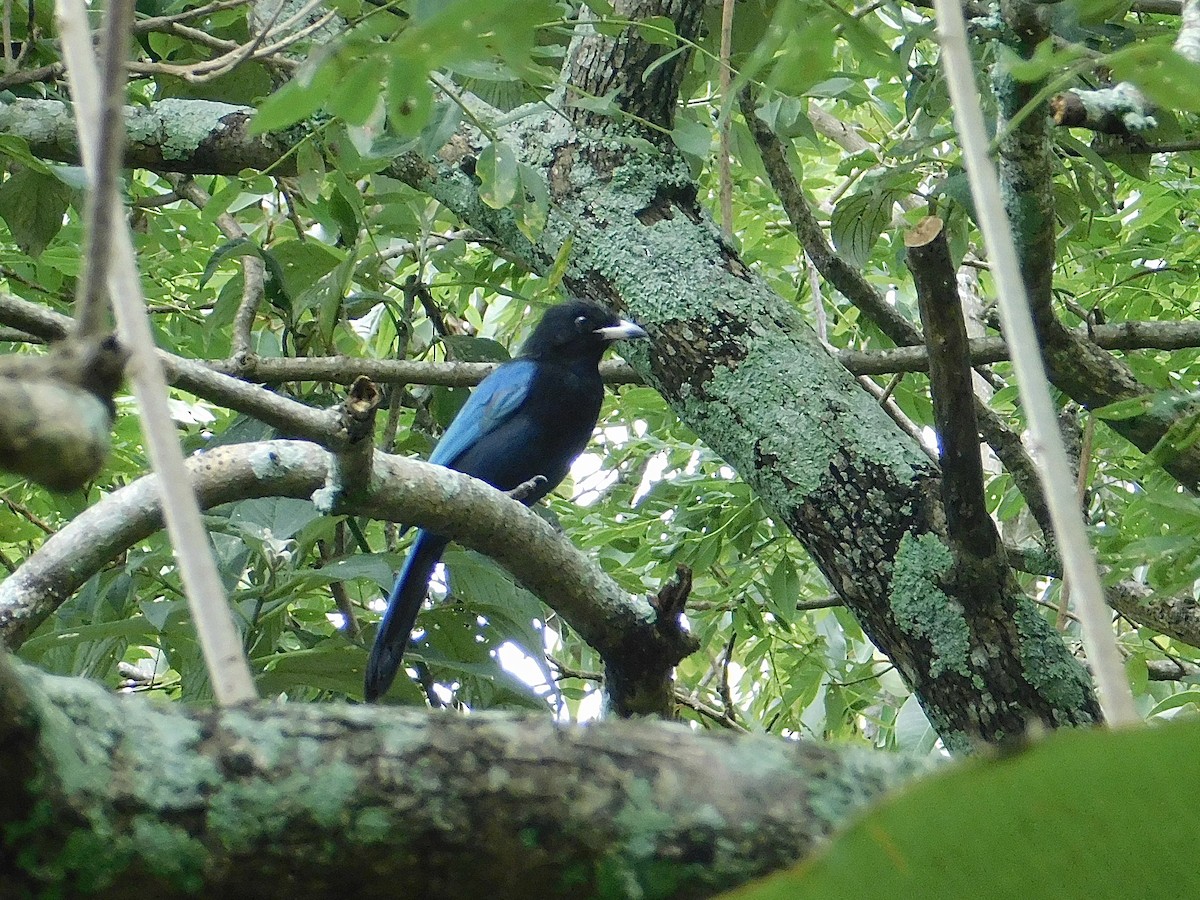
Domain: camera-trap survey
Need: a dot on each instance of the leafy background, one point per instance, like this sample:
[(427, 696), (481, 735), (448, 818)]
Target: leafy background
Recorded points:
[(343, 244)]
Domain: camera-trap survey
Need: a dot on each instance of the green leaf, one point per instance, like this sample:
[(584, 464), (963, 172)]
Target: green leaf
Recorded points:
[(298, 99), (787, 116), (278, 517), (693, 138), (310, 166), (555, 276), (857, 222), (468, 348), (1124, 409), (300, 264), (499, 175), (326, 297), (357, 92), (33, 203), (234, 249), (131, 630), (658, 30), (1163, 75), (1074, 816), (15, 148), (410, 100)]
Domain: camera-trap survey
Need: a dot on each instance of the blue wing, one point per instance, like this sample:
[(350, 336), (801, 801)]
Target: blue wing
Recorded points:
[(490, 405)]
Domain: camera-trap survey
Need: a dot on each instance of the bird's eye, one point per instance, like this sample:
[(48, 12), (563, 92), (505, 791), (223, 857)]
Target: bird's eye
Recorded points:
[(581, 322)]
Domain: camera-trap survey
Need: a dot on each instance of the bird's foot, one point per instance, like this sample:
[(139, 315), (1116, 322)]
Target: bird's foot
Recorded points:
[(528, 488)]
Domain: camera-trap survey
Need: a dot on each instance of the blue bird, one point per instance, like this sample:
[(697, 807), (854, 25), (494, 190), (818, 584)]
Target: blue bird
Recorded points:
[(529, 418)]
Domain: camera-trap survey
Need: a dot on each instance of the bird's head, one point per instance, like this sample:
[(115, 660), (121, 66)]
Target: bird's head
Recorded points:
[(577, 329)]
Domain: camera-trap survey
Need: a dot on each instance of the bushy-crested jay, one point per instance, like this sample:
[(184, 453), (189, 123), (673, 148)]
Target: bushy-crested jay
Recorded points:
[(531, 417)]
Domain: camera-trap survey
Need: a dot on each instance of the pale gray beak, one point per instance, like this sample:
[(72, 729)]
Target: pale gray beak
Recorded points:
[(624, 331)]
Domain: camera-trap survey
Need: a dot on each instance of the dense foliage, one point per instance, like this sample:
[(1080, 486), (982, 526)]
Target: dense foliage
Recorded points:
[(361, 265)]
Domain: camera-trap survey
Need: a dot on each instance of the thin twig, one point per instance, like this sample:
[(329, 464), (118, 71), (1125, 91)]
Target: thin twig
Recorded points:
[(724, 168), (254, 270), (227, 667), (91, 316), (1081, 491), (6, 51)]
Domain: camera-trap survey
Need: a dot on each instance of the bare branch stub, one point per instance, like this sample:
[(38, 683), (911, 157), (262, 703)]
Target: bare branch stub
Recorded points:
[(969, 526), (351, 467), (59, 411), (671, 598)]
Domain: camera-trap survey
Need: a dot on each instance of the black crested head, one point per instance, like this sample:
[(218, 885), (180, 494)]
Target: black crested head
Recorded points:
[(577, 330)]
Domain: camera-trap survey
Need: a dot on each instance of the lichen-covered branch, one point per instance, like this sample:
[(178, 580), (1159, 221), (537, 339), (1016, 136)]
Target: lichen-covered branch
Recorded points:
[(112, 796), (638, 646), (630, 70), (1175, 616), (172, 135), (1123, 109)]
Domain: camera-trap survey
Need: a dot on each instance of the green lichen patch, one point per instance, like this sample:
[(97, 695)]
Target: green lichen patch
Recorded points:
[(923, 609)]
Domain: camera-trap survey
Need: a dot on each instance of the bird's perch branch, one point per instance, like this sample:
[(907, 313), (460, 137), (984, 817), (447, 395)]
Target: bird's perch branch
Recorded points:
[(447, 502)]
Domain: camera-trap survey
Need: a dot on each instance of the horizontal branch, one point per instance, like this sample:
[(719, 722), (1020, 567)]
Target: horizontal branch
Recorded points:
[(345, 369), (639, 648), (215, 378), (113, 796), (1113, 336), (173, 135), (1177, 616), (290, 416)]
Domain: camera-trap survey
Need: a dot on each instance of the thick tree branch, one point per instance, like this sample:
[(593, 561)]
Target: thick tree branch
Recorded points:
[(373, 803), (174, 135), (630, 70), (1018, 303), (1177, 617), (639, 647)]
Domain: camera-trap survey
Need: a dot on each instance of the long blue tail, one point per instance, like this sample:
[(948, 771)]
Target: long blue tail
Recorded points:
[(404, 603)]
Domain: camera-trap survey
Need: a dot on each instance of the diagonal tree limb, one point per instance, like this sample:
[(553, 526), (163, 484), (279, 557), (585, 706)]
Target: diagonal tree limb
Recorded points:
[(1019, 280)]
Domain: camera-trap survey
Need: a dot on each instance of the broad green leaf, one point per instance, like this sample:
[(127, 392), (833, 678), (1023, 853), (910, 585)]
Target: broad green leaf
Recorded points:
[(498, 174), (32, 204), (298, 99), (857, 222), (1073, 816), (693, 138)]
